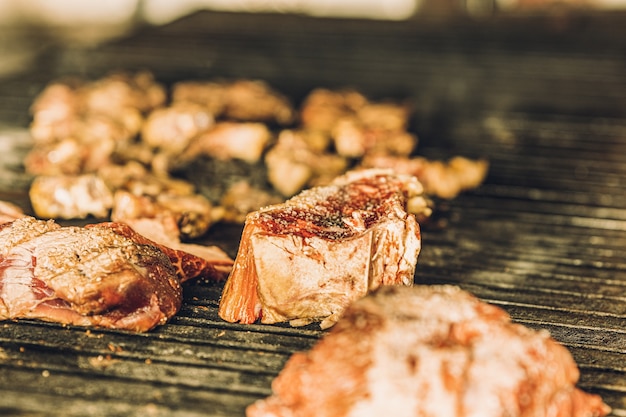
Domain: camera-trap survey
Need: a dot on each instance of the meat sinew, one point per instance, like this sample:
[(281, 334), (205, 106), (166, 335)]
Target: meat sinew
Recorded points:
[(429, 351), (104, 275), (305, 260)]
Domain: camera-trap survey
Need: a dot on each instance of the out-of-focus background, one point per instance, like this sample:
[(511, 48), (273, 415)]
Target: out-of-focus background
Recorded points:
[(27, 27)]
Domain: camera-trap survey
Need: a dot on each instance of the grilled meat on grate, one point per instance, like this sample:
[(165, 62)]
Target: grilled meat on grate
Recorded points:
[(429, 351)]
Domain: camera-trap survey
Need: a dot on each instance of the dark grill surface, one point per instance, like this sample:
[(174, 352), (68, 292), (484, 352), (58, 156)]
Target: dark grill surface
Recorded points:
[(544, 99)]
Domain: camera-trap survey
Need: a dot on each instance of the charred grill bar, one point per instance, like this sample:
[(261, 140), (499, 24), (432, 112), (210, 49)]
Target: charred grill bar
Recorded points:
[(543, 98)]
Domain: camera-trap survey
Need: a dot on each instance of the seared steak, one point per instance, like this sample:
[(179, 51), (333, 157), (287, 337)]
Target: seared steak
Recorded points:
[(103, 275), (306, 259)]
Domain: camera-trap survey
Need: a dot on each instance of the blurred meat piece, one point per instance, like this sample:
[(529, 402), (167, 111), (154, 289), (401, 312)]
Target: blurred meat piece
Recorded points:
[(139, 180), (121, 98), (92, 144), (119, 91), (172, 128), (70, 197), (354, 140), (78, 126), (429, 351), (230, 140), (55, 111), (9, 212), (192, 214), (256, 101), (357, 126), (441, 179), (306, 259), (212, 95), (241, 198), (323, 108), (140, 193), (164, 232), (299, 160), (242, 100)]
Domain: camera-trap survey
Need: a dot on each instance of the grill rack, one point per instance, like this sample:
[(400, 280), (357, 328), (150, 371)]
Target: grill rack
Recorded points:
[(544, 237)]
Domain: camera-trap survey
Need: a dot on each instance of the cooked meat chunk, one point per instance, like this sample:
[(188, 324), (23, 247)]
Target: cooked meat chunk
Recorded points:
[(94, 142), (256, 101), (429, 351), (212, 95), (230, 140), (241, 199), (9, 212), (120, 98), (323, 108), (306, 259), (354, 140), (166, 233), (70, 197), (172, 128), (441, 179), (139, 180), (192, 214), (79, 126), (357, 126), (104, 275), (84, 276), (186, 264), (297, 161), (242, 100), (118, 91), (54, 112)]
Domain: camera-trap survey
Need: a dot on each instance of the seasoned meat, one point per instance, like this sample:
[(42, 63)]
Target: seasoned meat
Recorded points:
[(323, 108), (172, 128), (118, 91), (242, 100), (213, 262), (192, 214), (242, 198), (70, 197), (186, 265), (352, 139), (357, 126), (299, 161), (212, 95), (441, 179), (429, 351), (104, 275), (308, 258), (79, 126), (84, 276), (94, 142), (9, 212), (230, 140)]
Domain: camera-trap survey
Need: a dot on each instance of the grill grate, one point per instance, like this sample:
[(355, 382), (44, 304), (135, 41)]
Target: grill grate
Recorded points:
[(544, 238)]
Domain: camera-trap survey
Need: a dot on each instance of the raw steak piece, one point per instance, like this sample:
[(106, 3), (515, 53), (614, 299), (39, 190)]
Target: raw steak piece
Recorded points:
[(103, 275), (429, 351), (306, 259)]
